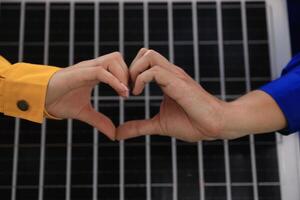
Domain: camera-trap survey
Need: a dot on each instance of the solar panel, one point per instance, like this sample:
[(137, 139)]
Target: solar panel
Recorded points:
[(229, 47)]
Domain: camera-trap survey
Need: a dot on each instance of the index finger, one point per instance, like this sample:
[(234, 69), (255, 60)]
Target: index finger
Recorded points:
[(148, 60), (141, 52)]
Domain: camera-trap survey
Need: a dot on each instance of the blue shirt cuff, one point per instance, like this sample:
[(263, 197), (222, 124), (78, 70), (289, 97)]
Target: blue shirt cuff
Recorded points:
[(286, 92)]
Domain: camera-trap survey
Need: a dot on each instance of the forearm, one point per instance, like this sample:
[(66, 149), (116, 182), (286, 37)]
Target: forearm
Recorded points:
[(253, 113)]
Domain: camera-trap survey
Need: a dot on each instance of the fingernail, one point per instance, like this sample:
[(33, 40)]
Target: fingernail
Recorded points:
[(126, 90), (124, 87)]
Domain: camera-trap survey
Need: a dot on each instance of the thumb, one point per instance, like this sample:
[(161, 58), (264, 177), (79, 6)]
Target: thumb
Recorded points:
[(137, 128), (99, 121)]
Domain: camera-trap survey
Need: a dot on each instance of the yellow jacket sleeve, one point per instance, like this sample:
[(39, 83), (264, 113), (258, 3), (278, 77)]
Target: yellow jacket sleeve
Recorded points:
[(23, 88)]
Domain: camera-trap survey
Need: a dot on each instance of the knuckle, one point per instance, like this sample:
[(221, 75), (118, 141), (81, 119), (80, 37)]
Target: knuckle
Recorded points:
[(98, 60), (183, 76), (184, 81), (143, 50), (151, 53), (116, 55), (179, 69)]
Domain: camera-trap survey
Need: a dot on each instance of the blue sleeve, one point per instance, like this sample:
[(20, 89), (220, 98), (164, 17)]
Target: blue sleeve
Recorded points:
[(286, 92)]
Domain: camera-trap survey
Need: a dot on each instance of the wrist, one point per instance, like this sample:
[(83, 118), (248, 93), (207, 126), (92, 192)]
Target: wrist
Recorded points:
[(235, 121), (210, 115), (54, 88)]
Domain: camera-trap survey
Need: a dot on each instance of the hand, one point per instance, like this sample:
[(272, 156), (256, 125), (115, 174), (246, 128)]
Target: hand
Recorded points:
[(69, 90), (187, 111)]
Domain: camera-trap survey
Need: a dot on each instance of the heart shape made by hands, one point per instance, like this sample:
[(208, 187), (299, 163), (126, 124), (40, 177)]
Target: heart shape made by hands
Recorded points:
[(180, 116)]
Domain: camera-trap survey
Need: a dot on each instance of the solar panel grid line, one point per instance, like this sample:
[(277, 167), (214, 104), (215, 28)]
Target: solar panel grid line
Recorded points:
[(248, 88), (44, 125), (96, 104), (147, 102), (221, 49), (197, 79), (223, 95), (70, 121), (212, 184), (171, 58), (121, 108), (270, 28), (243, 184), (195, 41), (17, 121), (134, 1), (133, 43)]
